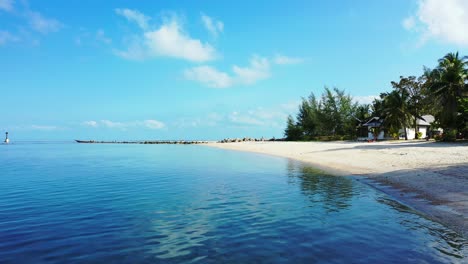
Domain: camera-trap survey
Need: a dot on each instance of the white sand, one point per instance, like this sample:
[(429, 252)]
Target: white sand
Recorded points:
[(431, 177)]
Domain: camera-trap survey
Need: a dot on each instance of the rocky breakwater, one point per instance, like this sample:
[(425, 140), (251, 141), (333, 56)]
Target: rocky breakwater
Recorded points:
[(247, 139)]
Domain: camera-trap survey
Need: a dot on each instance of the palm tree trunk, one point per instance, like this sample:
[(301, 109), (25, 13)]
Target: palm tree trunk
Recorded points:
[(406, 133), (415, 127)]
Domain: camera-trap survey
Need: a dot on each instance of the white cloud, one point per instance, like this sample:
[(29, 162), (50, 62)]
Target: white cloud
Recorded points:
[(258, 69), (215, 27), (245, 119), (42, 24), (135, 16), (135, 50), (209, 120), (169, 40), (101, 36), (209, 76), (6, 37), (284, 60), (153, 124), (45, 128), (111, 124), (290, 107), (445, 20), (368, 99), (6, 5), (409, 23), (90, 123), (271, 117), (149, 124)]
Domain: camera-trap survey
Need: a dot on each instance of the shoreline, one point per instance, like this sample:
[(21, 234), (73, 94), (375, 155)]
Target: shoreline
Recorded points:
[(431, 177)]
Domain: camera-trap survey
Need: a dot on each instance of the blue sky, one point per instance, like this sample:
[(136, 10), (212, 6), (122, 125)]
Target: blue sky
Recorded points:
[(204, 69)]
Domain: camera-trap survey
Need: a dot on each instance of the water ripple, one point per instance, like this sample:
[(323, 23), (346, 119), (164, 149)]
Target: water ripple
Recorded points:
[(174, 204)]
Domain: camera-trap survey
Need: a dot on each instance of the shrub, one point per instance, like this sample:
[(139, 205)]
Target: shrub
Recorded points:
[(418, 135), (449, 136)]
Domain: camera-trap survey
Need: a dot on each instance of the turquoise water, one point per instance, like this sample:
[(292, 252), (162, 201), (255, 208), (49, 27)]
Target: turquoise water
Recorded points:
[(66, 203)]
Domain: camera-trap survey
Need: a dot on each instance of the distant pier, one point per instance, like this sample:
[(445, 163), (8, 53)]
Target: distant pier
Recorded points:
[(182, 142)]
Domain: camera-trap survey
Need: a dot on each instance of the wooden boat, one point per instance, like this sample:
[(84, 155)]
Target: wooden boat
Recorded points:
[(84, 141)]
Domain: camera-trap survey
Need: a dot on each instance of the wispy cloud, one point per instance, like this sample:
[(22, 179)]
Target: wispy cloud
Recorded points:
[(101, 37), (409, 23), (209, 76), (45, 127), (153, 124), (149, 123), (27, 22), (285, 60), (111, 124), (168, 40), (367, 99), (446, 21), (6, 37), (258, 69), (90, 123), (245, 119), (215, 27), (258, 117), (43, 24), (6, 5), (89, 38), (134, 16), (209, 120)]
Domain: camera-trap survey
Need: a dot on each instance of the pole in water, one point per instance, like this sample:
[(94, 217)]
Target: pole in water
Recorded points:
[(7, 140)]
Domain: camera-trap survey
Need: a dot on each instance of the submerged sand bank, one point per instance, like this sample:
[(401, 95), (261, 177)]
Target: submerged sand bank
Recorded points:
[(431, 177)]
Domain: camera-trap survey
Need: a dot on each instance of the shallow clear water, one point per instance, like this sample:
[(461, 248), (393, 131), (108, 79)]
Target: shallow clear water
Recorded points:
[(185, 203)]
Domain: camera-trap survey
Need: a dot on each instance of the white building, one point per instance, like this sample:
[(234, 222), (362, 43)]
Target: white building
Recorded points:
[(376, 131), (423, 127)]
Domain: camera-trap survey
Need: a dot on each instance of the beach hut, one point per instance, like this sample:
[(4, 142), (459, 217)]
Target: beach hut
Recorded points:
[(375, 129), (423, 125)]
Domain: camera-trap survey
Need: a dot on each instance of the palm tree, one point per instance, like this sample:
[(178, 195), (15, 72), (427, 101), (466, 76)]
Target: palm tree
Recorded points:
[(414, 96), (448, 82), (395, 110)]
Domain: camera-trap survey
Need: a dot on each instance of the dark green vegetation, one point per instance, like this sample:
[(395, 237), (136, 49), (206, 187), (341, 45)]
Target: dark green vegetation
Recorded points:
[(441, 92)]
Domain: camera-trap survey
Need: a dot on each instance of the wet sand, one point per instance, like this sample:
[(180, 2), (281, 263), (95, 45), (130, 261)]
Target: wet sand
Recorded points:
[(431, 177)]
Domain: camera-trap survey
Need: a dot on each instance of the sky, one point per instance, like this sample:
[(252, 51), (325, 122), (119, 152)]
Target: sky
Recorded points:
[(130, 70)]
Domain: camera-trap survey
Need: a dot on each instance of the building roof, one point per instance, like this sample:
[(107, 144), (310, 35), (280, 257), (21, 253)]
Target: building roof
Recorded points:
[(374, 122), (426, 121), (377, 121)]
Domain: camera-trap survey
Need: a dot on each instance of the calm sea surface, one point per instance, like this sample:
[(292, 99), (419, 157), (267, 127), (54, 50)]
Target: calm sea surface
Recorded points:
[(64, 202)]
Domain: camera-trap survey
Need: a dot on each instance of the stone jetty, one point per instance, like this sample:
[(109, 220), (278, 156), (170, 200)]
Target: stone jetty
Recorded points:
[(182, 142)]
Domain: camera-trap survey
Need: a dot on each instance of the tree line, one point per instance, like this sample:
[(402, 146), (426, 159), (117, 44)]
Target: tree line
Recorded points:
[(441, 92)]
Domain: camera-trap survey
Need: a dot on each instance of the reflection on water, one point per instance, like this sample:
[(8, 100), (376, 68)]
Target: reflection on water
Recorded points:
[(173, 204), (333, 193)]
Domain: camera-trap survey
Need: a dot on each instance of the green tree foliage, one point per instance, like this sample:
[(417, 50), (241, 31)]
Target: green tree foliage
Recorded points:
[(336, 111), (332, 115), (415, 103), (442, 92), (395, 111), (448, 84), (293, 131), (307, 117)]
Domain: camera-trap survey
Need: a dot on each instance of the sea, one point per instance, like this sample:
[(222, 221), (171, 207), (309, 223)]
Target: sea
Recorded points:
[(64, 202)]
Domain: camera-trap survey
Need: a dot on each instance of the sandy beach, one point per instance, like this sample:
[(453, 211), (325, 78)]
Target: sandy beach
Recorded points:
[(431, 177)]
